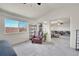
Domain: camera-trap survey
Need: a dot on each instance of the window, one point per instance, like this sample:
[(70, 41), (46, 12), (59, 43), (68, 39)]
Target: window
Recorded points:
[(12, 25), (22, 26)]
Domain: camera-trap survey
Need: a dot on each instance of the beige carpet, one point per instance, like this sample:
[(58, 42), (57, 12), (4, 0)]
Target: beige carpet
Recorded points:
[(57, 47)]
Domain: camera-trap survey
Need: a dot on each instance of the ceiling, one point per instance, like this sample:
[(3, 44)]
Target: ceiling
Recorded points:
[(29, 10)]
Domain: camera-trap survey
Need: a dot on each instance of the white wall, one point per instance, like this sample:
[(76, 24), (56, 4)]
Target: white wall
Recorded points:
[(12, 37), (71, 12)]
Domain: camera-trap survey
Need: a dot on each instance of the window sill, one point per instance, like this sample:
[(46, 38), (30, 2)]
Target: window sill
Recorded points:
[(15, 33)]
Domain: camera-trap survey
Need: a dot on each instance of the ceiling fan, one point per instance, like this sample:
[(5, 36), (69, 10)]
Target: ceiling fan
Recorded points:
[(37, 3)]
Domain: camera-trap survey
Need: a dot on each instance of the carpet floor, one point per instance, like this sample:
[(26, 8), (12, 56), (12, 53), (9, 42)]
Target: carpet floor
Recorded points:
[(57, 47)]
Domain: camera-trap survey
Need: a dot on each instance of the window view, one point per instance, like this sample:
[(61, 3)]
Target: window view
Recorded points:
[(12, 25), (22, 26)]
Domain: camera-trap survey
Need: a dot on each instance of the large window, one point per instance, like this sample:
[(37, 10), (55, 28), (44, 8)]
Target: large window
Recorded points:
[(12, 25)]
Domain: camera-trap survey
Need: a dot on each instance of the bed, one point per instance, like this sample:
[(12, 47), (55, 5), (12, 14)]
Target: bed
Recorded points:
[(6, 49)]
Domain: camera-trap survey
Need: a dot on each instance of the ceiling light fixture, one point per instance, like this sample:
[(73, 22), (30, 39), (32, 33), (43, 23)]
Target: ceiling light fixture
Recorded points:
[(24, 3), (59, 22), (36, 3), (39, 3)]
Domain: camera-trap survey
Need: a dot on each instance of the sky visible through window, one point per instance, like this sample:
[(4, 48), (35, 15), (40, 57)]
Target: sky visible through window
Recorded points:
[(11, 23), (14, 23), (22, 24)]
